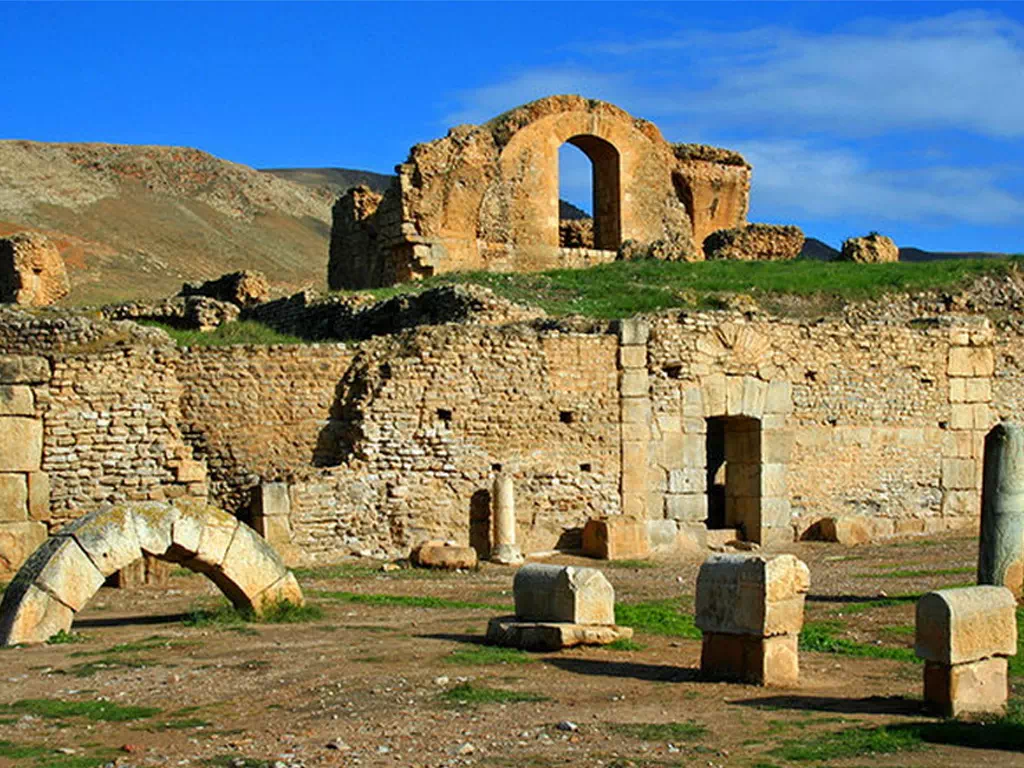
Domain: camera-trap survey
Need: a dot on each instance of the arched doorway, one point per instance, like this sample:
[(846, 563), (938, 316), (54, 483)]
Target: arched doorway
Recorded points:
[(606, 190)]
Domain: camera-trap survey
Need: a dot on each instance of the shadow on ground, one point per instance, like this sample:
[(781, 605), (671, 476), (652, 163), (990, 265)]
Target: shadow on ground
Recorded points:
[(869, 705), (657, 672), (130, 621)]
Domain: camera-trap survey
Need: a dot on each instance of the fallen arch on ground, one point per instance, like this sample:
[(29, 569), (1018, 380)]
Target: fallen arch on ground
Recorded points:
[(68, 568)]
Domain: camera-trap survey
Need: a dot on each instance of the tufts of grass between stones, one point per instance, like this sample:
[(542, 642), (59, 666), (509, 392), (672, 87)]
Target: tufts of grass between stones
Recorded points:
[(624, 288), (407, 601), (484, 655), (97, 711), (247, 332), (45, 755), (657, 617), (822, 636), (227, 616), (663, 732)]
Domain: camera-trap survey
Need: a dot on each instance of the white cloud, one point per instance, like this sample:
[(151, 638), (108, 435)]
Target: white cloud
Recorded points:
[(798, 179)]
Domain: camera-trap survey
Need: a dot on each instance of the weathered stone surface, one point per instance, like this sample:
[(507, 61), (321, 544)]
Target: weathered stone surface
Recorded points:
[(108, 537), (850, 530), (21, 444), (16, 400), (870, 249), (38, 495), (547, 593), (154, 527), (442, 554), (771, 661), (615, 538), (551, 636), (955, 626), (32, 616), (1001, 544), (755, 242), (245, 288), (975, 688), (285, 589), (249, 567), (32, 272), (218, 531), (63, 569), (751, 595), (23, 369), (13, 497), (17, 542), (971, 361)]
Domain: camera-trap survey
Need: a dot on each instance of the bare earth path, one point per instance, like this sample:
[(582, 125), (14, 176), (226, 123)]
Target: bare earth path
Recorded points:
[(379, 682)]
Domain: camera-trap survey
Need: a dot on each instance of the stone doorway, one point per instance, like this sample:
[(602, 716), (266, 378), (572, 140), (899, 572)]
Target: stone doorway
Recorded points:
[(733, 466)]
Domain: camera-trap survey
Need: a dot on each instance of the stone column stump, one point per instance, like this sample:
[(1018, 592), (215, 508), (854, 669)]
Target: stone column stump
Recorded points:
[(1001, 544), (964, 636), (750, 610), (559, 607), (615, 537), (505, 550)]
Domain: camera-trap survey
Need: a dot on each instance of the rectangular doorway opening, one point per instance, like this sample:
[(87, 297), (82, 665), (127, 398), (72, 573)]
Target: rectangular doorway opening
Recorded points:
[(733, 461)]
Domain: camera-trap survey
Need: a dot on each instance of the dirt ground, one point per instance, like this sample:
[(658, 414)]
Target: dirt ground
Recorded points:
[(370, 684)]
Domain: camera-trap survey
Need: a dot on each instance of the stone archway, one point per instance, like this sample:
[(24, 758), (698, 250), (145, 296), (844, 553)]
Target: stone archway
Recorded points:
[(606, 187), (66, 571)]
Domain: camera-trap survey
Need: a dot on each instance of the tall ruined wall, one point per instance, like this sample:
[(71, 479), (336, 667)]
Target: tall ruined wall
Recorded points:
[(486, 197), (256, 413), (426, 420)]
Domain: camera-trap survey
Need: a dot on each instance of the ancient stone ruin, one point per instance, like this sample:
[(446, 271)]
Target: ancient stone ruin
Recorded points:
[(32, 272), (1001, 544), (66, 571), (965, 636), (751, 610), (486, 197), (870, 249), (559, 607)]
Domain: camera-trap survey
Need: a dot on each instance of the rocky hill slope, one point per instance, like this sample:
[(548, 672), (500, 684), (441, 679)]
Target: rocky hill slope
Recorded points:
[(137, 221)]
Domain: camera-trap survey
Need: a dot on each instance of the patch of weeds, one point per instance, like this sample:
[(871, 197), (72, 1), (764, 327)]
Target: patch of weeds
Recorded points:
[(184, 711), (904, 630), (623, 644), (283, 611), (919, 573), (468, 694), (101, 711), (1017, 662), (665, 732), (658, 617), (481, 655), (253, 665), (853, 742), (407, 601), (220, 616), (237, 332), (327, 627), (362, 570), (182, 573), (66, 638), (148, 644), (820, 636), (881, 602), (90, 668)]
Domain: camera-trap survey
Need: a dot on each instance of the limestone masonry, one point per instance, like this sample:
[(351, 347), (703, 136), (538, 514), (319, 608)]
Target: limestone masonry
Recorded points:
[(486, 197)]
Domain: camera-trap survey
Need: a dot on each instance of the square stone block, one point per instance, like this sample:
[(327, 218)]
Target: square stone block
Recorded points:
[(971, 361), (23, 369), (633, 357), (689, 480), (17, 542), (634, 382), (776, 446), (978, 390), (634, 331), (734, 395), (779, 398), (959, 473), (976, 688), (21, 444), (68, 574), (714, 394), (755, 392), (551, 636), (16, 401), (615, 537), (769, 661), (955, 626), (957, 390), (686, 507), (751, 594), (13, 497), (773, 480), (564, 594), (636, 410)]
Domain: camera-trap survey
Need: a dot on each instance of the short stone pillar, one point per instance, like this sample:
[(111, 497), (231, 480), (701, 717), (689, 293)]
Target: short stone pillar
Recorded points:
[(616, 537), (1001, 544), (558, 607), (271, 510), (751, 611), (505, 550), (964, 636)]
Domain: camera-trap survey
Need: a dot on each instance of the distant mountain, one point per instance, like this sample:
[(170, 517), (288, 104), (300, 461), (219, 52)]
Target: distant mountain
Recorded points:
[(567, 210), (336, 180), (137, 221), (818, 251)]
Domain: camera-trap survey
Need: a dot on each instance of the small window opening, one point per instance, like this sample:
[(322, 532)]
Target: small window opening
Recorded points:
[(586, 467), (496, 467), (566, 417), (444, 415), (673, 371)]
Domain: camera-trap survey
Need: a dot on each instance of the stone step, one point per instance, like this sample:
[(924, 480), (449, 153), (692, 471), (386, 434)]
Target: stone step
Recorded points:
[(719, 537)]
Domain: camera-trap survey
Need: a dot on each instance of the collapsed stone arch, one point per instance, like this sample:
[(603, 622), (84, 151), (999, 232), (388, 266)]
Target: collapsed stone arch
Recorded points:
[(65, 572)]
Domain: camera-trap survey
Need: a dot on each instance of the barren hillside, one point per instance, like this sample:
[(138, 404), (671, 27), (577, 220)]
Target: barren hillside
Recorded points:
[(137, 221)]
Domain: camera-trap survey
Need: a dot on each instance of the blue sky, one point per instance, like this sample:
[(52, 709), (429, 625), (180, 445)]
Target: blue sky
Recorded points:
[(905, 118)]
